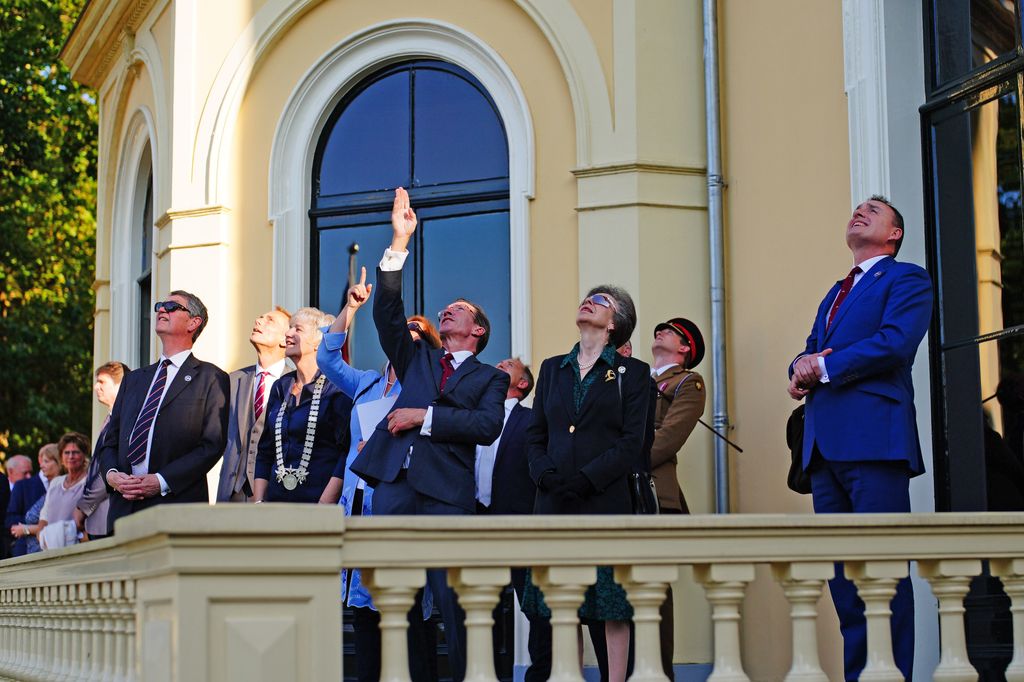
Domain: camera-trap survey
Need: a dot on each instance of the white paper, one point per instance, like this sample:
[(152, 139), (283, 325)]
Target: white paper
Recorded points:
[(372, 412)]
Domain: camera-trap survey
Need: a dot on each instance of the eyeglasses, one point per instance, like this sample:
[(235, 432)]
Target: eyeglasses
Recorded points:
[(601, 300), (168, 306), (456, 306)]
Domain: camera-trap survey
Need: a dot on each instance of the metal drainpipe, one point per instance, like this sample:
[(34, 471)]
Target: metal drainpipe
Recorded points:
[(716, 244)]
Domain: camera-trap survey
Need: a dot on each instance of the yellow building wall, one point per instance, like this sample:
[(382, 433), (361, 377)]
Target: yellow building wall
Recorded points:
[(787, 165)]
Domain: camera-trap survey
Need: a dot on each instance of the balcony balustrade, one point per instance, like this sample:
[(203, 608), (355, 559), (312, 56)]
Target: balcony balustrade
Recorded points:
[(190, 593)]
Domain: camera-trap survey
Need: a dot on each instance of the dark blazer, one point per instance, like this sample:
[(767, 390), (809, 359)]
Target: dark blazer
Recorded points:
[(874, 338), (604, 440), (469, 412), (512, 489), (26, 493), (189, 433), (237, 471), (330, 444), (5, 532)]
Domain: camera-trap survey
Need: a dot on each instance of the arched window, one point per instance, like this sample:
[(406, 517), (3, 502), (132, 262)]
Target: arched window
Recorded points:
[(142, 256), (430, 127)]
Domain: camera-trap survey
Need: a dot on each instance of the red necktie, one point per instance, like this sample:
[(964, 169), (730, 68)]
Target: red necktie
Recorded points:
[(140, 434), (844, 291), (447, 368), (260, 400)]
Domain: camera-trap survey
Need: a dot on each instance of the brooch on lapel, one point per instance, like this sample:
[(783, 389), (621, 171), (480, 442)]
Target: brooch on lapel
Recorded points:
[(609, 376), (622, 370), (188, 377)]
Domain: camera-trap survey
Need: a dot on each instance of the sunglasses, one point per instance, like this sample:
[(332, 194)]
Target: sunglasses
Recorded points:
[(168, 307), (414, 327), (601, 300)]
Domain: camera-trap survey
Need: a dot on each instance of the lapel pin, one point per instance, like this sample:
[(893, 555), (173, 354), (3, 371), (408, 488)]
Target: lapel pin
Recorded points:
[(609, 376), (188, 377), (622, 370), (877, 275)]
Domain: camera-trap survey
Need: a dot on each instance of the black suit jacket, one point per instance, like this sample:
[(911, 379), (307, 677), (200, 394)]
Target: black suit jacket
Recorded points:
[(189, 433), (468, 412), (512, 489), (604, 441), (5, 531)]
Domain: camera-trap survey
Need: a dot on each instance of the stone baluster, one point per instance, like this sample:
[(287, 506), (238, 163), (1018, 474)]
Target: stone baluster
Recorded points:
[(802, 584), (724, 585), (951, 580), (120, 640), (6, 630), (563, 588), (106, 615), (19, 628), (876, 584), (646, 587), (479, 591), (34, 605), (45, 663), (394, 592), (94, 671), (130, 614), (64, 625), (29, 664), (1011, 573), (76, 632)]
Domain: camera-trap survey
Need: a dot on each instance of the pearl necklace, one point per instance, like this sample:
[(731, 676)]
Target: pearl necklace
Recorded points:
[(293, 477), (584, 368)]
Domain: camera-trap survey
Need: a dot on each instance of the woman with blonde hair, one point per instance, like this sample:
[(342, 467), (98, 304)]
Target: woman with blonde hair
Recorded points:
[(307, 427), (27, 500)]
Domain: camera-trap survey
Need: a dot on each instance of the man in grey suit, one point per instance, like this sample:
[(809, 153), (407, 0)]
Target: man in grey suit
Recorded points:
[(250, 390)]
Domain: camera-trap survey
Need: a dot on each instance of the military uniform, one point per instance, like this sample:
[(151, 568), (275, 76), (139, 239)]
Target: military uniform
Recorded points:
[(679, 403)]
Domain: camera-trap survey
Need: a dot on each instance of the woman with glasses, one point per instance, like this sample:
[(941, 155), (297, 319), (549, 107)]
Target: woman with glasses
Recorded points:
[(307, 429), (347, 489), (589, 420)]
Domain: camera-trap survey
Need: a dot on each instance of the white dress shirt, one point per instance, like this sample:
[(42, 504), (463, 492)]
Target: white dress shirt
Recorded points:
[(658, 371), (142, 468), (45, 480), (274, 373), (485, 457), (864, 267)]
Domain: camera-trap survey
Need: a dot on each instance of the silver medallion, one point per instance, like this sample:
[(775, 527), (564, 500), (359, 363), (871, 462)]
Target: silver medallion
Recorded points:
[(290, 482)]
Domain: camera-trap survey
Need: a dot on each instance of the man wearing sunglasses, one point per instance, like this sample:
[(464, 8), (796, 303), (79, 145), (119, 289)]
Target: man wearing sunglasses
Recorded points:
[(421, 459), (169, 423)]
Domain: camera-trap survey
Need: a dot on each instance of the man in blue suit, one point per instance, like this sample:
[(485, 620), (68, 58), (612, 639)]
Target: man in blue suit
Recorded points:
[(421, 458), (860, 432)]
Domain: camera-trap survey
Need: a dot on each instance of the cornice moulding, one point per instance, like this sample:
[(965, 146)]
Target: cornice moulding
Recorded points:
[(99, 37)]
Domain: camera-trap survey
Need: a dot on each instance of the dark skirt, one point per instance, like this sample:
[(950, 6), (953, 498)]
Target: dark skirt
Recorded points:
[(604, 600)]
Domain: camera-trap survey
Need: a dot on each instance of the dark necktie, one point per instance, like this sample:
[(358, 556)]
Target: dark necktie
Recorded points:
[(844, 291), (447, 368), (258, 403), (144, 424)]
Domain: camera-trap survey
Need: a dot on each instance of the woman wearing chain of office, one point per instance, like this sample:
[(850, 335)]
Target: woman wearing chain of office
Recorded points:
[(307, 427)]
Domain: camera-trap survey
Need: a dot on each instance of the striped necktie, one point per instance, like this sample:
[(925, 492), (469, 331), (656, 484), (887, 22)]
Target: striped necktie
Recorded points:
[(260, 400), (144, 424), (844, 291)]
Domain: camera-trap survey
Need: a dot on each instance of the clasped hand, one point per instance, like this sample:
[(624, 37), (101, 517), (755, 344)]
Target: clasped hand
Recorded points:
[(405, 418), (134, 487), (806, 374)]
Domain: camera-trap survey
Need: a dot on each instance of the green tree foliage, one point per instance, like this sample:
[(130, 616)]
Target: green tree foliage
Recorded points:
[(47, 228)]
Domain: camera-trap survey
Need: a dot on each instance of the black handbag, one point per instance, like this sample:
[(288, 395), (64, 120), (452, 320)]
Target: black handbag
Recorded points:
[(642, 493), (798, 480)]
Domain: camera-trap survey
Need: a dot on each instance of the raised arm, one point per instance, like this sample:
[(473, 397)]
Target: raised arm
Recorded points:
[(388, 307)]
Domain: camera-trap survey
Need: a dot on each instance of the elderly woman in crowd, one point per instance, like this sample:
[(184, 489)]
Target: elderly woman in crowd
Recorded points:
[(27, 500), (63, 494), (347, 489), (306, 431), (589, 420)]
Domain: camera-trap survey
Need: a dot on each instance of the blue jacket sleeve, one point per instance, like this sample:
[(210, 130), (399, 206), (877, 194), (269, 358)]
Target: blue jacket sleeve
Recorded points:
[(340, 373)]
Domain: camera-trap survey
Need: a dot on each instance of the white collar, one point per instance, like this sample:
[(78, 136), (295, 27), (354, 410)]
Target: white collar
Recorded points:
[(870, 263), (658, 371), (275, 370), (178, 358), (510, 403)]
